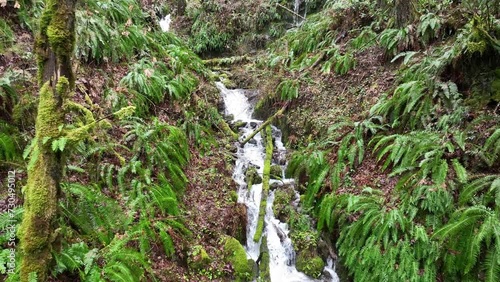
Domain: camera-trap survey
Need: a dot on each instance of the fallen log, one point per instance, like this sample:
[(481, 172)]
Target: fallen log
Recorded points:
[(264, 124)]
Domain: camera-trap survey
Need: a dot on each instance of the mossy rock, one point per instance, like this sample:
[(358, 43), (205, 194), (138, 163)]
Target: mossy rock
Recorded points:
[(264, 271), (282, 206), (198, 258), (238, 124), (276, 172), (310, 264), (252, 177), (235, 254)]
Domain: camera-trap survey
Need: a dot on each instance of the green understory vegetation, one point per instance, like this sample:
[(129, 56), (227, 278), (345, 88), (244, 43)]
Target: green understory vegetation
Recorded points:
[(391, 110)]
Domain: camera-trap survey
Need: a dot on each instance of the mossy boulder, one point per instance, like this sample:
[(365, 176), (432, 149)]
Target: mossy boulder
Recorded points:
[(198, 258), (235, 254), (276, 172), (264, 271), (310, 264), (282, 205), (252, 177)]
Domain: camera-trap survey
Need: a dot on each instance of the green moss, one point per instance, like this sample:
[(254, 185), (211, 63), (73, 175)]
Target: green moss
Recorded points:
[(276, 172), (44, 174), (281, 205), (198, 258), (60, 32), (233, 196), (236, 255), (264, 271), (309, 264), (252, 177), (265, 183)]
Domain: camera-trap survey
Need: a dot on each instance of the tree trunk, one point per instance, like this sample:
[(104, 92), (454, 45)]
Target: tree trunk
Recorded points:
[(405, 12), (181, 7), (54, 48)]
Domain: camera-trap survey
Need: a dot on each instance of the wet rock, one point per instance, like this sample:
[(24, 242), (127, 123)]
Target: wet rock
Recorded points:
[(310, 264), (252, 141), (283, 198), (264, 271), (253, 124), (327, 276), (238, 124), (252, 177), (279, 157), (237, 226), (276, 172)]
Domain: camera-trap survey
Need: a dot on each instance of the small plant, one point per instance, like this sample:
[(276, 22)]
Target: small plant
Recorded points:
[(289, 89)]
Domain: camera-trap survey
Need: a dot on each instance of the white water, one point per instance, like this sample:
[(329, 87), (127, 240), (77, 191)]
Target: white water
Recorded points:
[(296, 8), (165, 23), (281, 253)]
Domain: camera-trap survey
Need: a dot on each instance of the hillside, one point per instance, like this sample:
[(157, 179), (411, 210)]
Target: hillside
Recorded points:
[(389, 110)]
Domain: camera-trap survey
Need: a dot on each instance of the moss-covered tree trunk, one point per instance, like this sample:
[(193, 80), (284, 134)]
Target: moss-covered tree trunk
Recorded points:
[(54, 47)]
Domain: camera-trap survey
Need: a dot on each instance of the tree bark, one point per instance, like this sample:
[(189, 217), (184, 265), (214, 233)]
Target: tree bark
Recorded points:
[(54, 48), (405, 12)]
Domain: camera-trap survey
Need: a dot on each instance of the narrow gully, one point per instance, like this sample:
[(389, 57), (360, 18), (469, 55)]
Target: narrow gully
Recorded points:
[(252, 154)]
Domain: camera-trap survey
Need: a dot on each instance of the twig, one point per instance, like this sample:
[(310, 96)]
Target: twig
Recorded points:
[(300, 16)]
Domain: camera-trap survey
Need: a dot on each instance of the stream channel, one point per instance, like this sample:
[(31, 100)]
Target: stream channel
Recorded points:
[(252, 154)]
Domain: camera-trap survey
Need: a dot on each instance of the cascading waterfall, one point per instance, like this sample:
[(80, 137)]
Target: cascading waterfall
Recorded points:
[(296, 9), (281, 253)]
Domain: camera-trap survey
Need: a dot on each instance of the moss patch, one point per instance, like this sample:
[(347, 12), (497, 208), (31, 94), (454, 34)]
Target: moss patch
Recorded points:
[(265, 183), (309, 264), (236, 255), (282, 206), (276, 172), (264, 271), (252, 177)]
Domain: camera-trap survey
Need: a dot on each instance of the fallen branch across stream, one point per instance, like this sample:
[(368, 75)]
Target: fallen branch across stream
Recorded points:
[(266, 176), (300, 16), (264, 124)]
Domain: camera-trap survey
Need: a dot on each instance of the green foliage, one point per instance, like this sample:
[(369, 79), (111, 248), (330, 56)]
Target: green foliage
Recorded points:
[(382, 234), (429, 27), (115, 262), (6, 35), (149, 82), (8, 93), (10, 148), (92, 212), (105, 30), (207, 38), (491, 149), (473, 233), (395, 40), (289, 89)]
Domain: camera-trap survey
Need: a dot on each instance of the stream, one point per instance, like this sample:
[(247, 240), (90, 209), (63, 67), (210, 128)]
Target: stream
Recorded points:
[(281, 252)]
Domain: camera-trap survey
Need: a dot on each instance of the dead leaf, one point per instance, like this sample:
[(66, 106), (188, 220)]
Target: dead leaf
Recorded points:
[(129, 22), (17, 5), (148, 72), (3, 3)]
